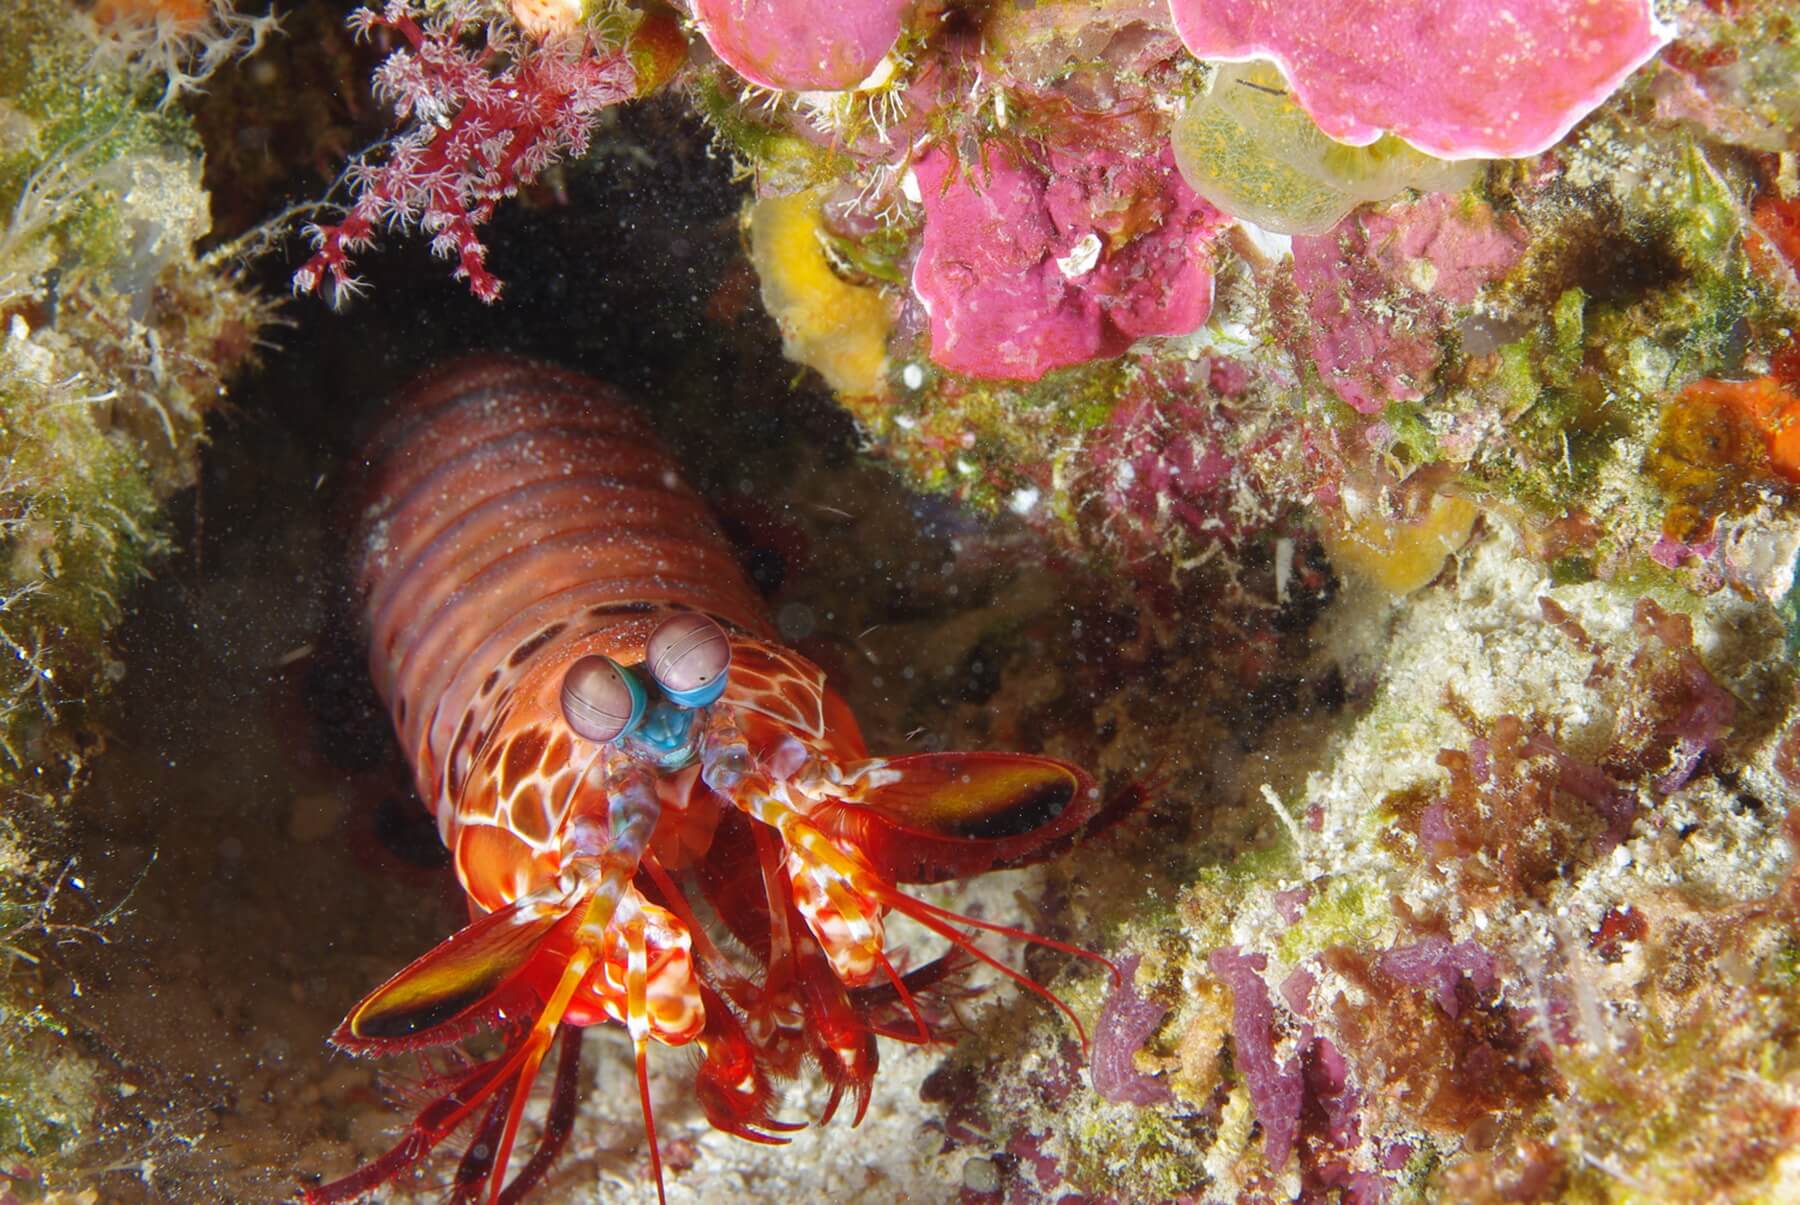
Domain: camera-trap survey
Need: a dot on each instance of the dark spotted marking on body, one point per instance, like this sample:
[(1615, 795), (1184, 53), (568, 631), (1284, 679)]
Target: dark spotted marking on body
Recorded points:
[(531, 646)]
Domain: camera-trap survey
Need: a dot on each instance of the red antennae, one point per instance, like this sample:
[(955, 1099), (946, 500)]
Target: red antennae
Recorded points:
[(637, 1019), (936, 919), (905, 998), (530, 1056), (643, 1079)]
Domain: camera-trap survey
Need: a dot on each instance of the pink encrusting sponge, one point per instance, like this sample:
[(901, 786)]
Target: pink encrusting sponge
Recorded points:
[(801, 45), (1023, 271), (1459, 79)]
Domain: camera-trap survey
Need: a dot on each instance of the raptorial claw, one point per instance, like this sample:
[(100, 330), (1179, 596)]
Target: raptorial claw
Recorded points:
[(839, 1040), (731, 1085), (597, 713)]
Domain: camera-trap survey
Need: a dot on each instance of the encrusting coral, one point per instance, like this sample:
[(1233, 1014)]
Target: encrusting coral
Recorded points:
[(1048, 277), (1472, 81)]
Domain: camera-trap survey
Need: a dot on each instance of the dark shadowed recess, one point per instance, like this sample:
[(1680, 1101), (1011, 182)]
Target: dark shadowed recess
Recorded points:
[(627, 266), (249, 789)]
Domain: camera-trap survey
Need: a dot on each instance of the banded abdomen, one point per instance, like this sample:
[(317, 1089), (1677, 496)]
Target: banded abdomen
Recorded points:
[(510, 510)]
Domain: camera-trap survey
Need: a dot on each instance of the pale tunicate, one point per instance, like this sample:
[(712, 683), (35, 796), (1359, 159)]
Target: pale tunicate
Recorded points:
[(1248, 148)]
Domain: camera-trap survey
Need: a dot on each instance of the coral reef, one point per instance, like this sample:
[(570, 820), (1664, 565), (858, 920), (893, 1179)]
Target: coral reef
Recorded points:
[(1528, 907), (1536, 405), (116, 341), (1515, 332), (1369, 441)]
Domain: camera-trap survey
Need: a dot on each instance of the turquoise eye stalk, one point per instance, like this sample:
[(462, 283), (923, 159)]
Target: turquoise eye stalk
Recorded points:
[(601, 699), (689, 655)]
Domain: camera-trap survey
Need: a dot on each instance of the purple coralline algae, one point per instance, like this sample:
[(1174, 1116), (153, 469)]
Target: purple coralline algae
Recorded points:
[(1276, 1085), (1126, 1021), (1383, 287), (1438, 965), (1165, 460)]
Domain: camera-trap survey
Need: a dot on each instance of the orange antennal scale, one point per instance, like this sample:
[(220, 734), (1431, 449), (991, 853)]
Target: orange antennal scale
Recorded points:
[(454, 988)]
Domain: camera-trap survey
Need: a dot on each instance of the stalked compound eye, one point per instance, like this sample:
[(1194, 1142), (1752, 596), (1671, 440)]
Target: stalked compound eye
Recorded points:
[(689, 656), (601, 700)]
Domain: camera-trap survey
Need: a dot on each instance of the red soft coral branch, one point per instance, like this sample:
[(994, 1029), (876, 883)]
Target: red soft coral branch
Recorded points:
[(487, 113)]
